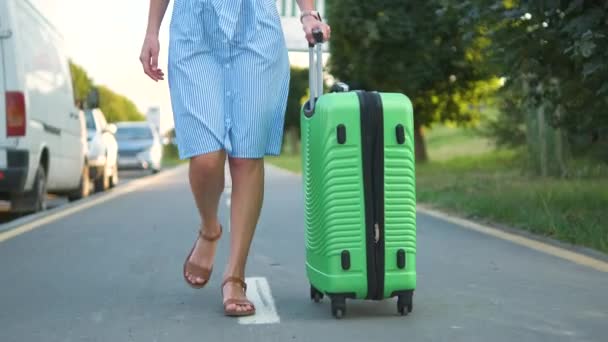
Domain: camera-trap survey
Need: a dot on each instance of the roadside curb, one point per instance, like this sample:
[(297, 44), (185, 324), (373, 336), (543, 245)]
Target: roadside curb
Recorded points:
[(22, 225), (577, 254)]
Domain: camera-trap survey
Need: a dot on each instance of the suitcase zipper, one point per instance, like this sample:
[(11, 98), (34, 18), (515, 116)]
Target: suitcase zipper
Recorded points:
[(372, 134), (376, 232), (378, 178)]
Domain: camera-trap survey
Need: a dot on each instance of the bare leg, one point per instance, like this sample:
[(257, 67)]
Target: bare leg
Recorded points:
[(207, 183), (247, 197)]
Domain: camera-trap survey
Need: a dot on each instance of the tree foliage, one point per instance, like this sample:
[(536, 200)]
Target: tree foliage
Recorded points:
[(419, 48), (298, 86), (115, 107), (81, 83), (298, 89), (554, 54)]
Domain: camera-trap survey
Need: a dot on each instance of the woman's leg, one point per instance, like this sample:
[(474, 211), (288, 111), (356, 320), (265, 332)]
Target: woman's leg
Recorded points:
[(207, 183), (247, 196)]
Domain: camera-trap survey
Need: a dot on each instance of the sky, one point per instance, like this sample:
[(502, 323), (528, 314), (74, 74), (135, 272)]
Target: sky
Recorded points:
[(105, 37)]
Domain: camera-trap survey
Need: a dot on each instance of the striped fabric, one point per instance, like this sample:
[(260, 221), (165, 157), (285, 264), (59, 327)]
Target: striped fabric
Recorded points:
[(228, 77)]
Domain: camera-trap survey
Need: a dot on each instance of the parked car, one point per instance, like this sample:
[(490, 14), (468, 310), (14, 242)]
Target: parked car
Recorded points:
[(41, 145), (103, 150), (139, 146)]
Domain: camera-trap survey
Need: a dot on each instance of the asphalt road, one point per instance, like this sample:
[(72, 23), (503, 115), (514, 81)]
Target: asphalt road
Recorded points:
[(112, 272), (58, 201)]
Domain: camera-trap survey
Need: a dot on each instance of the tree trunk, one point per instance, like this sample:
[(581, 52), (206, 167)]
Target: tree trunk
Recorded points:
[(420, 146), (542, 138), (560, 149), (295, 141)]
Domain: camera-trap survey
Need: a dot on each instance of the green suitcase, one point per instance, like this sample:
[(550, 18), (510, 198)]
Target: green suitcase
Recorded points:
[(359, 193)]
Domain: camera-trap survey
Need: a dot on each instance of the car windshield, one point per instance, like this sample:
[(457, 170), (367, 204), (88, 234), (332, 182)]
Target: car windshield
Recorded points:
[(90, 119), (134, 133)]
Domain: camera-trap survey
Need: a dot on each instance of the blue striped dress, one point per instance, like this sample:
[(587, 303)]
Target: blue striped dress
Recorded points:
[(228, 77)]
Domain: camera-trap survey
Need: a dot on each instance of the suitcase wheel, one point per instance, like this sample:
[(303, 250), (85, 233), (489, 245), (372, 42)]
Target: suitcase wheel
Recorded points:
[(405, 304), (338, 307), (315, 295)]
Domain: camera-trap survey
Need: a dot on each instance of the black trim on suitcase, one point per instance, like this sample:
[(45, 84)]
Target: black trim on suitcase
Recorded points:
[(341, 134), (345, 260), (372, 141), (401, 259), (400, 133)]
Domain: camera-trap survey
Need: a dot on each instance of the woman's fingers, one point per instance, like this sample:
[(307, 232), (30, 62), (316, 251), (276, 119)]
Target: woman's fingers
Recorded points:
[(308, 32), (149, 60), (154, 61), (144, 58), (313, 24)]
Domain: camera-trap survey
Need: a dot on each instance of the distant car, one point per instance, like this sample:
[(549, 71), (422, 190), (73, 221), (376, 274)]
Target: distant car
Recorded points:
[(103, 150), (41, 145), (139, 146)]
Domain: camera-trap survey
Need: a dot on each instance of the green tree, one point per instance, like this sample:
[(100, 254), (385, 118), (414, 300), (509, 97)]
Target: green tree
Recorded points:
[(419, 48), (555, 57), (298, 86), (81, 83), (117, 107)]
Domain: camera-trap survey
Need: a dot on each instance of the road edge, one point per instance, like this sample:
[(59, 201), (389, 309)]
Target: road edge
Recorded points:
[(575, 254), (31, 222)]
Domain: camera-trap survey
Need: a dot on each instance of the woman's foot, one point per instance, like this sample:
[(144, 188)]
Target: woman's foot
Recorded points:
[(199, 263), (235, 300)]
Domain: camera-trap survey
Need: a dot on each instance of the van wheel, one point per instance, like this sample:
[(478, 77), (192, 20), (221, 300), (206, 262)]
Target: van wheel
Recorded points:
[(39, 192), (102, 183), (85, 186)]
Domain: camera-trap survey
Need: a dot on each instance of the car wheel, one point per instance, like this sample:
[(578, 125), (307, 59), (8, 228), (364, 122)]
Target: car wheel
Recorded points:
[(102, 183), (84, 187), (114, 179), (39, 191)]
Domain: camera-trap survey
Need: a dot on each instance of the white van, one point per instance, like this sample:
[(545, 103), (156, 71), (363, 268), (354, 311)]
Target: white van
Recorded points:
[(41, 131)]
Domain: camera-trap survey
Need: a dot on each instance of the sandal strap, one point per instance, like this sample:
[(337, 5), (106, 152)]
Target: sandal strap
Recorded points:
[(239, 302), (210, 237), (237, 280)]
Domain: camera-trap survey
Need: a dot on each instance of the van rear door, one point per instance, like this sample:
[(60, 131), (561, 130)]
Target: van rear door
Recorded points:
[(4, 35)]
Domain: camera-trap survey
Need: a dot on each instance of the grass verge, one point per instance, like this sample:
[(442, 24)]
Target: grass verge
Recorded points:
[(492, 187), (171, 156), (291, 162)]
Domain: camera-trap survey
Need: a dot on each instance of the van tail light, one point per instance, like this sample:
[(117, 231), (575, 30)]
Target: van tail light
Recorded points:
[(15, 114)]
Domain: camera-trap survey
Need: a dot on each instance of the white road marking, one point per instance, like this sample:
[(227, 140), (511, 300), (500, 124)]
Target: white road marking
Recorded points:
[(45, 218), (574, 257), (258, 292)]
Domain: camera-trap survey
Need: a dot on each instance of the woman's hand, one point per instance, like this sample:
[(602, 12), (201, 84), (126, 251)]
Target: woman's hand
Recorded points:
[(149, 58), (310, 23)]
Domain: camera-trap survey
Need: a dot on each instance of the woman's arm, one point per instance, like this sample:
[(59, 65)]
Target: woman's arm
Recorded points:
[(151, 46), (310, 22), (155, 16), (306, 5)]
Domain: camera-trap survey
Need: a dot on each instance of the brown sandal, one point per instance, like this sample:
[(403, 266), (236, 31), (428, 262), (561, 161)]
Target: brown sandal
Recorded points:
[(237, 313), (196, 270)]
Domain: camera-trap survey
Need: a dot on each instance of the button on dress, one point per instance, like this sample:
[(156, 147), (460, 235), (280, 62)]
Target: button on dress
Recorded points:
[(228, 77)]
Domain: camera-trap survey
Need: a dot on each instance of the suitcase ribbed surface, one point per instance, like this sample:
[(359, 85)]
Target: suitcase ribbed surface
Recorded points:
[(333, 195), (399, 200)]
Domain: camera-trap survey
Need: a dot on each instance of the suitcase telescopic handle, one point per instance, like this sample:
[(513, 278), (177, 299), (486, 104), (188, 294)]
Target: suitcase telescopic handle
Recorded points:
[(315, 68)]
